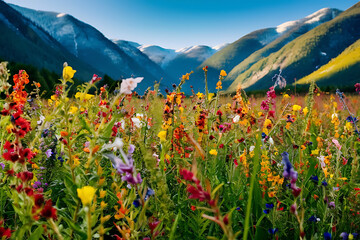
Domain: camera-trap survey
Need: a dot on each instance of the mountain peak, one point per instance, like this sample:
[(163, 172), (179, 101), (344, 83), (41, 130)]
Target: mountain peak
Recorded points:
[(310, 19)]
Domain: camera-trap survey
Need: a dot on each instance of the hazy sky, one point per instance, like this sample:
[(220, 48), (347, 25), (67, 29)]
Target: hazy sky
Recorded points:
[(181, 23)]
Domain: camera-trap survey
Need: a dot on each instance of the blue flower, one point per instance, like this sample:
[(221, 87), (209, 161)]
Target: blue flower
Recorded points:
[(266, 211), (263, 135), (327, 236), (136, 203), (314, 178), (272, 231), (351, 119), (269, 205), (312, 219), (324, 183)]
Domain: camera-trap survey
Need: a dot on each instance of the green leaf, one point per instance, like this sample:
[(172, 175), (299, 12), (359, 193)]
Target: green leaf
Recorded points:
[(37, 233), (173, 228)]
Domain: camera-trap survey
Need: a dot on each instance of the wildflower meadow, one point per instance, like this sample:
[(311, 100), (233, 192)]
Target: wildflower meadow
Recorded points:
[(101, 164)]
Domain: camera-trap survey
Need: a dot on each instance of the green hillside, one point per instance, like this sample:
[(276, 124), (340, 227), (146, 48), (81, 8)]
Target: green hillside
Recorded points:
[(306, 53), (342, 70), (275, 45), (228, 57)]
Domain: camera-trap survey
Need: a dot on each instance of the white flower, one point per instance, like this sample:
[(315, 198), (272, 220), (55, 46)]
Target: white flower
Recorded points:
[(118, 144), (271, 141), (322, 161), (41, 120), (136, 122), (251, 148), (334, 115), (122, 124), (129, 84), (236, 119)]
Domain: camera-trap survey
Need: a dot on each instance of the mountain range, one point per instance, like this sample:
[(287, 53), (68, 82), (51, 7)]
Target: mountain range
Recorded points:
[(323, 47)]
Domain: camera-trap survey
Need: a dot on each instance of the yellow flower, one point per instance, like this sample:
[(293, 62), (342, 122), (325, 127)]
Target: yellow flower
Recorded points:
[(83, 96), (73, 110), (219, 85), (305, 111), (267, 123), (162, 136), (213, 152), (210, 96), (296, 108), (200, 95), (260, 114), (86, 194), (102, 194), (285, 96), (103, 205), (315, 152), (68, 73), (223, 73)]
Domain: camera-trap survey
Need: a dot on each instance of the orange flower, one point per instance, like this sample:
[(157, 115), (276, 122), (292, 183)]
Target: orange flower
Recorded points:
[(64, 134), (316, 197)]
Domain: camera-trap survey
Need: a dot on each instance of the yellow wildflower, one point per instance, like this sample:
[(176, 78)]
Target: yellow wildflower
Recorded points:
[(223, 73), (315, 152), (103, 205), (305, 111), (68, 73), (219, 85), (200, 95), (210, 96), (102, 194), (213, 152), (83, 96), (86, 194), (162, 136), (286, 96), (267, 123), (296, 108), (73, 110)]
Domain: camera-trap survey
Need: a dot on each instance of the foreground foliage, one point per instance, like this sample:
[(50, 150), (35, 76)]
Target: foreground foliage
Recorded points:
[(116, 165)]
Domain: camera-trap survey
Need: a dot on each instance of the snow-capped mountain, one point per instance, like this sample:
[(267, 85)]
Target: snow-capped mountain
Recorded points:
[(89, 45), (159, 55), (181, 61), (24, 42), (314, 19), (131, 49)]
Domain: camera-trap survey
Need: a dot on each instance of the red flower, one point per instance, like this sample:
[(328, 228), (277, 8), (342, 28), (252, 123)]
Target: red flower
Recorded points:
[(193, 208), (25, 176), (38, 200), (5, 232), (48, 211)]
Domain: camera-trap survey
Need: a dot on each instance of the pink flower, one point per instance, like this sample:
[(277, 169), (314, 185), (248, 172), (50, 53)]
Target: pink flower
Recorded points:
[(129, 84), (336, 142)]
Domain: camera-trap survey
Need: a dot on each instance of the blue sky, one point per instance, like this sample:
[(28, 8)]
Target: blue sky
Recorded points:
[(181, 23)]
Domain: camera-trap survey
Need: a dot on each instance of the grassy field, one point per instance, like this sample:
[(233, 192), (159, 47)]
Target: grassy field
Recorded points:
[(114, 165)]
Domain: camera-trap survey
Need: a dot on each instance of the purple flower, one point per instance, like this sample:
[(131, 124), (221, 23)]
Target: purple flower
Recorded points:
[(331, 204), (125, 166), (289, 171), (344, 235), (48, 153), (2, 165)]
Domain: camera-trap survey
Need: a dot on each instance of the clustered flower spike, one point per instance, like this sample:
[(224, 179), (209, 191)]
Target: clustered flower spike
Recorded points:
[(125, 166), (265, 104), (196, 191), (290, 173)]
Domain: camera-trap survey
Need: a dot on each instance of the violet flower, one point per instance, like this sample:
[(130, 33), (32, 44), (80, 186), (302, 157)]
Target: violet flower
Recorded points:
[(125, 166)]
